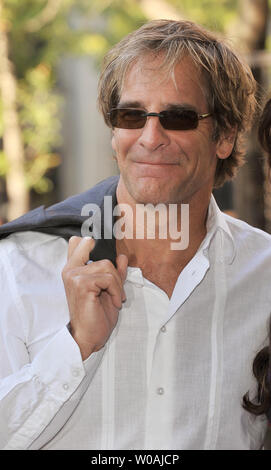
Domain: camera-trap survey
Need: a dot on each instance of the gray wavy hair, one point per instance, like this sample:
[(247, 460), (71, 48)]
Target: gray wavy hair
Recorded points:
[(230, 86)]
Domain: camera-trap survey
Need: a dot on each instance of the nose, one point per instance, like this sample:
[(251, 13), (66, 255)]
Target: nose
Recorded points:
[(153, 135)]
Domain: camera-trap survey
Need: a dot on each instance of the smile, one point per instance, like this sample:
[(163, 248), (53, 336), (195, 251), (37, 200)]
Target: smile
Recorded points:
[(154, 169), (156, 163)]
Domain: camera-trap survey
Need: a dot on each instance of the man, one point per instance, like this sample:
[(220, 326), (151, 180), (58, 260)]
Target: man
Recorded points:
[(147, 347)]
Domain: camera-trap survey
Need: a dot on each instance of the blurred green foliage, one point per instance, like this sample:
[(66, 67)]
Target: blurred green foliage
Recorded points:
[(80, 27), (38, 38), (33, 55), (39, 119), (213, 14)]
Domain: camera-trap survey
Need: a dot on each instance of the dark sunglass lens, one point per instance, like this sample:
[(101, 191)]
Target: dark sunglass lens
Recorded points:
[(182, 120), (127, 118)]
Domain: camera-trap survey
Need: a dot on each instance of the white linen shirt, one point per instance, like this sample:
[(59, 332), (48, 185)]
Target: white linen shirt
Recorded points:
[(173, 373)]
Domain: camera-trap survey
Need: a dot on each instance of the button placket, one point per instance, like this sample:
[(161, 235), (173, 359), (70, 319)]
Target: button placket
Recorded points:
[(160, 399), (75, 373)]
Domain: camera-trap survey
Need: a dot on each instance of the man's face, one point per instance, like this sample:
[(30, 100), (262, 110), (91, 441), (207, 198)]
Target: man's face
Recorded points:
[(159, 165)]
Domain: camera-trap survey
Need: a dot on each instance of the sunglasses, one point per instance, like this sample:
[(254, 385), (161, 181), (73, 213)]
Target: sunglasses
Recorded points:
[(172, 120)]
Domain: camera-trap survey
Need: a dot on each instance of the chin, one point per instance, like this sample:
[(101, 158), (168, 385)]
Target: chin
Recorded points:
[(148, 195), (149, 190)]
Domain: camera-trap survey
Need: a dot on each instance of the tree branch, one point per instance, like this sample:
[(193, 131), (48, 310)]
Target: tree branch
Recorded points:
[(13, 146)]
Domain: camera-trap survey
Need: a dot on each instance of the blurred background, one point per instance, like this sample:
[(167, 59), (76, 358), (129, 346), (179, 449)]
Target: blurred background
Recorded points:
[(54, 143)]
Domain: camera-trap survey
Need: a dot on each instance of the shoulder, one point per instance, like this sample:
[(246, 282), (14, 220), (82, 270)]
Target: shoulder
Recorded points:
[(24, 250), (252, 256), (33, 304), (245, 235)]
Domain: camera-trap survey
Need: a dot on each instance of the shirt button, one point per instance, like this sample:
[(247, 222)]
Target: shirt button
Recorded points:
[(163, 329), (75, 372), (160, 391), (65, 386)]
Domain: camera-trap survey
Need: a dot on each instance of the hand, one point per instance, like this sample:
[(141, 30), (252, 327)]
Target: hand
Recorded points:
[(94, 293)]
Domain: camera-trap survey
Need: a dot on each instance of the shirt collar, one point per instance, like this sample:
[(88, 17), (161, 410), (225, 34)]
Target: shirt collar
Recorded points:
[(217, 222)]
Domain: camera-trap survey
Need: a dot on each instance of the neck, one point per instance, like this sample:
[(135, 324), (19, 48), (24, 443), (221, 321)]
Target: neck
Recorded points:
[(150, 249)]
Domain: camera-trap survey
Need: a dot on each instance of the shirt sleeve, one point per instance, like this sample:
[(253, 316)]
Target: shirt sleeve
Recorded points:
[(52, 384), (37, 394)]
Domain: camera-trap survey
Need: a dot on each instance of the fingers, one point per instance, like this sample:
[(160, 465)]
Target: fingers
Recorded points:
[(79, 250), (103, 266), (107, 282), (73, 243)]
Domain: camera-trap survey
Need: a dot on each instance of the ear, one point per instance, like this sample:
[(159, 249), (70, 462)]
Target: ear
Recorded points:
[(226, 143)]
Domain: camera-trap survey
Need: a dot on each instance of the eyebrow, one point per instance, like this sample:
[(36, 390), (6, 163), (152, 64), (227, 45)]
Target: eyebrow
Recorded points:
[(130, 104), (175, 106), (172, 106)]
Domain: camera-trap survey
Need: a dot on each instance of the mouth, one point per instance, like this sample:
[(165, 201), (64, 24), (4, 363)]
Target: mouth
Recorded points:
[(144, 169), (157, 163)]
